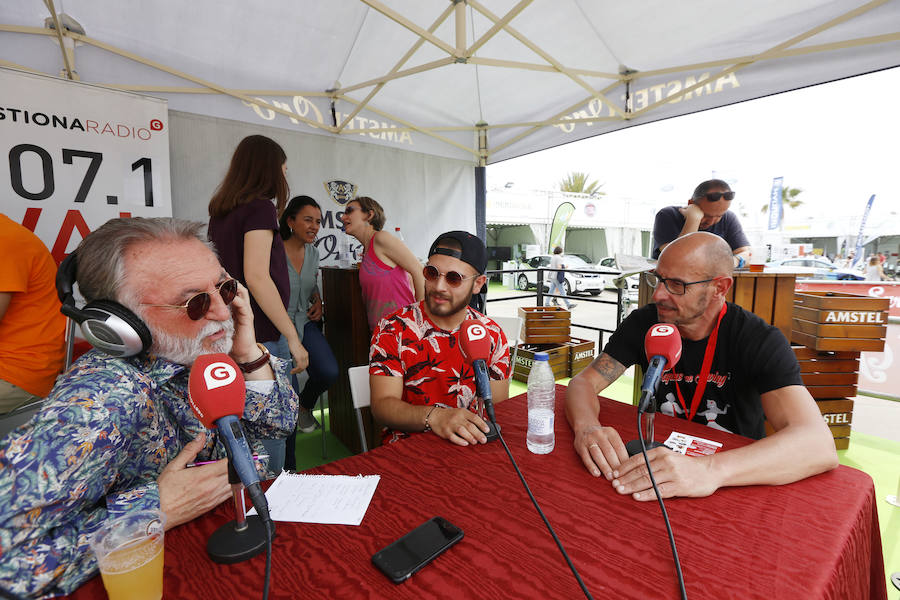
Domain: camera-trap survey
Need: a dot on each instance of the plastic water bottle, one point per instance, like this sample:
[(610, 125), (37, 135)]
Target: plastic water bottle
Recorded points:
[(540, 438), (398, 235), (344, 260)]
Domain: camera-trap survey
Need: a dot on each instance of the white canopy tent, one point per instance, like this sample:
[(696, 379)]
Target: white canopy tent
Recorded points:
[(478, 80)]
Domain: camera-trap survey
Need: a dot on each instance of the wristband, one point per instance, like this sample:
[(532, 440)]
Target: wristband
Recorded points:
[(254, 365), (427, 415)]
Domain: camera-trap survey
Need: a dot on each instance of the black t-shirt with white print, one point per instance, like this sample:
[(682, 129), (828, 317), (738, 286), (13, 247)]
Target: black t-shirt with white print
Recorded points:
[(751, 358)]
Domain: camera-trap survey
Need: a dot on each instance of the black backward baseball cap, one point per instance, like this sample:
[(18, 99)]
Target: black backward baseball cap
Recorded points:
[(473, 250)]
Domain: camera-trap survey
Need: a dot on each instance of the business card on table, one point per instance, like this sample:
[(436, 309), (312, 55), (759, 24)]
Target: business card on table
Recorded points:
[(690, 445)]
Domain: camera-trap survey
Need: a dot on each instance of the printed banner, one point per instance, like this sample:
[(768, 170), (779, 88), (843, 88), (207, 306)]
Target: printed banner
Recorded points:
[(558, 227), (76, 155), (776, 206), (862, 227)]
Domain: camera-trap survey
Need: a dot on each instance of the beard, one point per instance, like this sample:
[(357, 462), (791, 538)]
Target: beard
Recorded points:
[(184, 351), (451, 308)]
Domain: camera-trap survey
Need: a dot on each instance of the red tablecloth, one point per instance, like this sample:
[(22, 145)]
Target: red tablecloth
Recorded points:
[(816, 538)]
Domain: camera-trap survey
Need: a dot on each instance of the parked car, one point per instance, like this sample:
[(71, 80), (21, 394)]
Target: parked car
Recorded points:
[(809, 267), (574, 283), (609, 264)]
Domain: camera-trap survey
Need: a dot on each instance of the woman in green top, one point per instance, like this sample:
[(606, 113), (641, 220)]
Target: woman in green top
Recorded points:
[(299, 225)]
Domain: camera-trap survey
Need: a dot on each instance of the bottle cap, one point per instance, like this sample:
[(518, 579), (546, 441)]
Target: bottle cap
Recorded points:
[(541, 356)]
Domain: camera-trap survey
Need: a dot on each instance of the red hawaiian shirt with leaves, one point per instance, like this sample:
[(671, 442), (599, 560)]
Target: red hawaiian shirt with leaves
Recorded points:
[(407, 344)]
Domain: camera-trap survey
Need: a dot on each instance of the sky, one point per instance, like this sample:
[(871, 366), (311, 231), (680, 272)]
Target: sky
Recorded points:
[(839, 142)]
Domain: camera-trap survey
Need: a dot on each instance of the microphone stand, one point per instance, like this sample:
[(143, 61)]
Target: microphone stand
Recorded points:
[(485, 400), (240, 539), (646, 416)]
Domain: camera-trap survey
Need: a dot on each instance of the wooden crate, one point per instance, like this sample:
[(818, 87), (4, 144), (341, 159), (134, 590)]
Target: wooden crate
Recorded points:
[(545, 324), (828, 374), (581, 353), (830, 377), (838, 415), (558, 354), (837, 321)]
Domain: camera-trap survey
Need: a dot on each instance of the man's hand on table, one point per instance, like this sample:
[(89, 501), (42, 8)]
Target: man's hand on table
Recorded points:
[(460, 426), (601, 449), (675, 474), (185, 494)]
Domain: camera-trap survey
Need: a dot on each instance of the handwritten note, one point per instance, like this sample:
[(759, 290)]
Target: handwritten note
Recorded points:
[(327, 499)]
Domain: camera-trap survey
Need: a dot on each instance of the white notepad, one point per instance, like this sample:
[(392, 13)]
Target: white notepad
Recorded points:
[(326, 499)]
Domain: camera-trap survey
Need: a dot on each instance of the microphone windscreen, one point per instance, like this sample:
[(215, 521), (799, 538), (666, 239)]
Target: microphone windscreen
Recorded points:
[(216, 388), (474, 341), (663, 340)]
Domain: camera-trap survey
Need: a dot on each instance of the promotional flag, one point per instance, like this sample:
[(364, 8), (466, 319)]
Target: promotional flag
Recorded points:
[(776, 209), (558, 228), (862, 226)]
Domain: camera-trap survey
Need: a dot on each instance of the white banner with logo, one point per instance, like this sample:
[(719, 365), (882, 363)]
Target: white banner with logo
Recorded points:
[(77, 155)]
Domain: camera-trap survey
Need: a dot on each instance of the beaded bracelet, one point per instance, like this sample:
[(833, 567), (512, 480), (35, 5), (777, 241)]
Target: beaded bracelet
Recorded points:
[(427, 424)]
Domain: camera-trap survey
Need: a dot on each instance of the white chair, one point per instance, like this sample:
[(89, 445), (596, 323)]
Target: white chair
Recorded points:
[(512, 327), (359, 391)]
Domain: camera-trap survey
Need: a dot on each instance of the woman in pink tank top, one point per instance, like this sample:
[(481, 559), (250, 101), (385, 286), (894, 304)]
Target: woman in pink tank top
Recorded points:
[(390, 276)]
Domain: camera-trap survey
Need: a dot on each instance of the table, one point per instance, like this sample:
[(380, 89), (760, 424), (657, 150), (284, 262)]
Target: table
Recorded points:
[(816, 538)]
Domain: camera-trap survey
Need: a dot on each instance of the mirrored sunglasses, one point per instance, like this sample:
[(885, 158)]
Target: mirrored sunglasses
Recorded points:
[(453, 278), (199, 304)]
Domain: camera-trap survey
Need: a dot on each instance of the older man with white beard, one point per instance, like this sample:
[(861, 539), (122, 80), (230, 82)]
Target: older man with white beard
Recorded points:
[(117, 434)]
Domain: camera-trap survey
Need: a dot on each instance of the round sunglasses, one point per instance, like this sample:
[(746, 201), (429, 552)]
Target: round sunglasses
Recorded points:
[(199, 304), (454, 279)]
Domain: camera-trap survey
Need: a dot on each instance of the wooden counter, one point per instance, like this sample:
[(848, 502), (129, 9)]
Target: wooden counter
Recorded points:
[(347, 332)]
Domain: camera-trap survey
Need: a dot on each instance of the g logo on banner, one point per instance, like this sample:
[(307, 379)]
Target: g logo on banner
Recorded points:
[(156, 125), (476, 332), (218, 374), (661, 330)]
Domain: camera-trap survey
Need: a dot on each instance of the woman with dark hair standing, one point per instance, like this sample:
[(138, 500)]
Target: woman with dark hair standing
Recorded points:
[(242, 225), (299, 225), (390, 275)]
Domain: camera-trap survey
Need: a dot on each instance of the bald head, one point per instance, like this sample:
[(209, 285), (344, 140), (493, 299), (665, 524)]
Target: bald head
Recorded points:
[(707, 252)]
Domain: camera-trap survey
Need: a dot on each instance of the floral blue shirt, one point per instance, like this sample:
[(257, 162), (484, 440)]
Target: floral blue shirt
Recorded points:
[(96, 448)]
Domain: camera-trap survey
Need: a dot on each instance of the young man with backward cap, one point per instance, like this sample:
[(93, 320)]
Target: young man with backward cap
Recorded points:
[(419, 379)]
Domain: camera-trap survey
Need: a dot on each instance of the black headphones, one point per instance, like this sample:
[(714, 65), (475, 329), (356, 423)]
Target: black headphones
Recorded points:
[(107, 325)]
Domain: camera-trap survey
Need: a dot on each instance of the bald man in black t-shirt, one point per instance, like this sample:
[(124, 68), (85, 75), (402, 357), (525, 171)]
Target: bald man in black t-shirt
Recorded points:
[(753, 375)]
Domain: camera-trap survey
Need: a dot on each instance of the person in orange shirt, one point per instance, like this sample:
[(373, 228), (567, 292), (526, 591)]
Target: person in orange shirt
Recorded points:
[(32, 330)]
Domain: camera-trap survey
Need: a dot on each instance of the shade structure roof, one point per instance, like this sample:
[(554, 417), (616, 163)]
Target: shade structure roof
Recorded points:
[(480, 80)]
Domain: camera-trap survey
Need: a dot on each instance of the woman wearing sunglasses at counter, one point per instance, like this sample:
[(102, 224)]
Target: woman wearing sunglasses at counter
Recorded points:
[(243, 225), (390, 276)]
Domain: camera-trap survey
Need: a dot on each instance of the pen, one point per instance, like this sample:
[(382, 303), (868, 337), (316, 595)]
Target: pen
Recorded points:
[(209, 462)]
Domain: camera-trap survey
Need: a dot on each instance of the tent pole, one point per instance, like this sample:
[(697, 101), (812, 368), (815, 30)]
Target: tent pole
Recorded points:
[(481, 183), (480, 203)]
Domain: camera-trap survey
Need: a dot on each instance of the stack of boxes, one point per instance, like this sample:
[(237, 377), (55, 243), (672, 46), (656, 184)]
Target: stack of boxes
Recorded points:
[(831, 329), (546, 329)]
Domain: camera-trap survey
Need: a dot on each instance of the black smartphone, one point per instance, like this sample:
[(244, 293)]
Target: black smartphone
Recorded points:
[(400, 559)]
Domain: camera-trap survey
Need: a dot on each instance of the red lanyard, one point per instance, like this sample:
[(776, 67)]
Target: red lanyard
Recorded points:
[(704, 369)]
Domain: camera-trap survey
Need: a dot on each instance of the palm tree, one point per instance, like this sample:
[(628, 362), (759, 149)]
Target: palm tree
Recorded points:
[(788, 197), (577, 183)]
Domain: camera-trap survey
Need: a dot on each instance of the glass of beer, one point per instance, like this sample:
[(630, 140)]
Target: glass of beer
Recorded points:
[(758, 257), (129, 551)]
